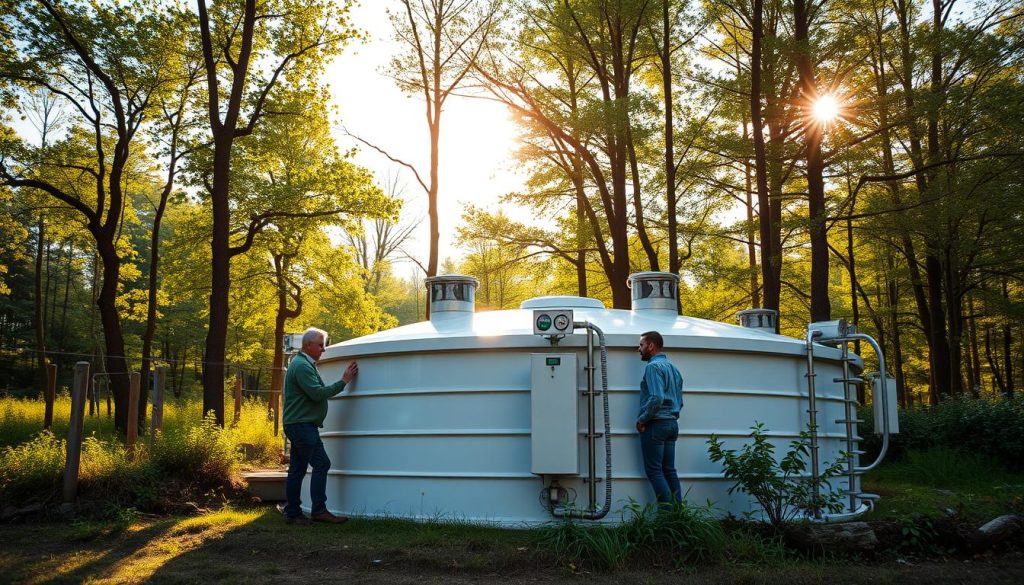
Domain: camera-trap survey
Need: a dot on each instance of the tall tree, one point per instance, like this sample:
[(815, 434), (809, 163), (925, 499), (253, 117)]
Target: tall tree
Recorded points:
[(247, 51), (440, 42), (81, 52)]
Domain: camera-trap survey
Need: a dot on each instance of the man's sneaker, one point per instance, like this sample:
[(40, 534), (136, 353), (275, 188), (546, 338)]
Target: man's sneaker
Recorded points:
[(326, 516), (300, 520)]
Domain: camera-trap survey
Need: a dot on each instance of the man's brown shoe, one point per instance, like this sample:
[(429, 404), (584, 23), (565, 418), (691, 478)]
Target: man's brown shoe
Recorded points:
[(326, 516), (300, 520)]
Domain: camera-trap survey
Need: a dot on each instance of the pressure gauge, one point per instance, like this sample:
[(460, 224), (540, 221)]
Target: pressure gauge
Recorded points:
[(552, 323), (561, 322)]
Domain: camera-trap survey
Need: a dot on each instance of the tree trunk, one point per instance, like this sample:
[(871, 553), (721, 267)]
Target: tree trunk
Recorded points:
[(220, 270), (670, 158), (975, 358), (993, 364), (39, 325), (638, 207), (1007, 343), (770, 275), (117, 365), (813, 133)]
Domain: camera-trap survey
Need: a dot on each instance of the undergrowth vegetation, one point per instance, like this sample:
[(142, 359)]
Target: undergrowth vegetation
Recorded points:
[(683, 534), (191, 457), (993, 428)]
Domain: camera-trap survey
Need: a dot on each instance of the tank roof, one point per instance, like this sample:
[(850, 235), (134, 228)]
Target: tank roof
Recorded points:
[(513, 328)]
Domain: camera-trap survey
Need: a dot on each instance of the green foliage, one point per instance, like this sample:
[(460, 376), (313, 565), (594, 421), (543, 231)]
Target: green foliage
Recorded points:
[(780, 488), (203, 454), (993, 428), (192, 456), (683, 534), (944, 467), (31, 471)]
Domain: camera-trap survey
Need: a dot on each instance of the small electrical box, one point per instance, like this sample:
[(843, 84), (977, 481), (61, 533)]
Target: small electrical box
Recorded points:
[(887, 396), (549, 322), (554, 414)]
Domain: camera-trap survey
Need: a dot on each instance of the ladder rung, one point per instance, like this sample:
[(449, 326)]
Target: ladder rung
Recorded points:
[(848, 420), (849, 380)]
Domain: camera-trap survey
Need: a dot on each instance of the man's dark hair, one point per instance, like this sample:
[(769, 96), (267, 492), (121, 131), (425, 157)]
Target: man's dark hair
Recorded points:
[(655, 338)]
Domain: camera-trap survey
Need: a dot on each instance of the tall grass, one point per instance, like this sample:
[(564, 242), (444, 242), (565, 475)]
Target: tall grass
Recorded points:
[(684, 534), (191, 454)]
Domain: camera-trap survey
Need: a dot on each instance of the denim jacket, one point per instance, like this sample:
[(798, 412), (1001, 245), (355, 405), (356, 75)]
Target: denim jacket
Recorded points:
[(661, 391)]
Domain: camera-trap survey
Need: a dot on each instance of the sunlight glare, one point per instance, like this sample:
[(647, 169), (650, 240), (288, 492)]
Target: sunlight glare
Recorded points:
[(826, 108)]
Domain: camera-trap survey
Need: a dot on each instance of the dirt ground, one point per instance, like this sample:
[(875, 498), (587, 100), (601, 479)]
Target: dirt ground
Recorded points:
[(255, 546)]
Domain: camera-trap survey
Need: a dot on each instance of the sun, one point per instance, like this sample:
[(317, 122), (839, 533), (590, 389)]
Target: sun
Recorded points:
[(825, 109)]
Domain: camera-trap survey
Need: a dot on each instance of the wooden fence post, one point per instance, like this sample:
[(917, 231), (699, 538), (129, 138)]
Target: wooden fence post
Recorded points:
[(238, 396), (157, 419), (50, 394), (133, 413), (79, 394)]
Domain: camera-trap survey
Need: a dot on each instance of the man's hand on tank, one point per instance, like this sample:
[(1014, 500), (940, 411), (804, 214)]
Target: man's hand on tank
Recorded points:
[(350, 372)]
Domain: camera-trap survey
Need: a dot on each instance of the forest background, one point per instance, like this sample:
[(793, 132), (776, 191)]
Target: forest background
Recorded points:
[(173, 194)]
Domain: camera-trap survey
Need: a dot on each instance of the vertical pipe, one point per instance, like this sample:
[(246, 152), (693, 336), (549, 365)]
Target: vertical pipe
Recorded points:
[(157, 419), (78, 396), (849, 413), (133, 409), (812, 411), (591, 465)]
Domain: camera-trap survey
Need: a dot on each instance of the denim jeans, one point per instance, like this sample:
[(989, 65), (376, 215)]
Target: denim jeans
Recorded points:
[(307, 450), (658, 444)]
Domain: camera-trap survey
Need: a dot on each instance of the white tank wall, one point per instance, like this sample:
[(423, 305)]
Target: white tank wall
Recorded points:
[(446, 433)]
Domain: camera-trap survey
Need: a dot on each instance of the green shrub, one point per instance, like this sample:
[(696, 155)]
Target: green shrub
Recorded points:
[(990, 427), (203, 454), (780, 488), (256, 430), (681, 534), (31, 472)]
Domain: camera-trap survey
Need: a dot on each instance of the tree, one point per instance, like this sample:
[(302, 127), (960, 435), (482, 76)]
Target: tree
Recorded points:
[(81, 52), (250, 51), (440, 42)]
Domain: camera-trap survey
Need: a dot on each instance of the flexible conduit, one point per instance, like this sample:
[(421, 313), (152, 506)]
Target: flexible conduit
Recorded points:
[(603, 511)]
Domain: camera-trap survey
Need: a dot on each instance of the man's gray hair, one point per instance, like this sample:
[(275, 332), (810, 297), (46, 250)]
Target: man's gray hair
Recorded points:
[(312, 333)]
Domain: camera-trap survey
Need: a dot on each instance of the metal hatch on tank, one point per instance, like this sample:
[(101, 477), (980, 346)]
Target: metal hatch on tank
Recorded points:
[(480, 417)]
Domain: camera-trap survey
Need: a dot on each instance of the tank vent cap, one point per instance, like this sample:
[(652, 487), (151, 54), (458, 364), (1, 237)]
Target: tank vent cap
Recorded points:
[(451, 293), (654, 291), (762, 319)]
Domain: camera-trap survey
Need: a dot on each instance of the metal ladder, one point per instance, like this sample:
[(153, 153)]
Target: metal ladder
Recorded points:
[(838, 332)]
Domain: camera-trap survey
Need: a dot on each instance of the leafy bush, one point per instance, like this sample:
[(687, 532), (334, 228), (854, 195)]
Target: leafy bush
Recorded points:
[(203, 454), (31, 472), (780, 488), (682, 534), (990, 427)]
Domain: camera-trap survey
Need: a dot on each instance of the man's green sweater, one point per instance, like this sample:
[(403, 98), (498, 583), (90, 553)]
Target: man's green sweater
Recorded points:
[(305, 395)]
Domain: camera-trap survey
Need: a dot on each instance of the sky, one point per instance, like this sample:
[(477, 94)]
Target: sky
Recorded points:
[(477, 136)]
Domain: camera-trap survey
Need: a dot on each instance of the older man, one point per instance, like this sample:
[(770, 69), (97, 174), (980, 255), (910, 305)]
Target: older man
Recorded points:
[(661, 399), (305, 407)]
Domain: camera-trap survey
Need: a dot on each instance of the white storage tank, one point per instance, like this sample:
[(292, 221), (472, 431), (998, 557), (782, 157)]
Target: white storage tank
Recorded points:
[(438, 423)]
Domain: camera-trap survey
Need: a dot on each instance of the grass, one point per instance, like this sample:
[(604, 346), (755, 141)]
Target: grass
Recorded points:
[(253, 546), (936, 482), (191, 456)]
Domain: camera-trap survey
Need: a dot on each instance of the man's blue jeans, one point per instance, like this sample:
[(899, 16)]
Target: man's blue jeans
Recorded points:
[(658, 444), (307, 450)]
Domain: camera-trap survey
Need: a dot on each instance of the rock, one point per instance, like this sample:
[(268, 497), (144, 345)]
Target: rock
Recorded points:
[(994, 531), (12, 513), (846, 535)]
